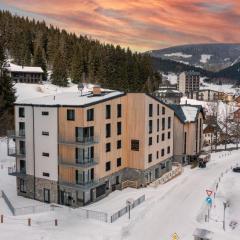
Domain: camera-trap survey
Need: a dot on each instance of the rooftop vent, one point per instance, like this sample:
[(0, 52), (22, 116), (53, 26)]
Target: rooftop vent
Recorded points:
[(97, 90)]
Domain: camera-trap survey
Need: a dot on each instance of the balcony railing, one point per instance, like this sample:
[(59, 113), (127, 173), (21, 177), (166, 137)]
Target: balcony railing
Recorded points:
[(80, 141), (14, 172), (80, 163), (13, 153), (16, 134)]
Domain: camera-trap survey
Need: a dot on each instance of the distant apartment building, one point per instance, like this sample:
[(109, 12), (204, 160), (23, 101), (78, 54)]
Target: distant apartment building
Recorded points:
[(188, 133), (24, 74), (188, 82), (74, 150)]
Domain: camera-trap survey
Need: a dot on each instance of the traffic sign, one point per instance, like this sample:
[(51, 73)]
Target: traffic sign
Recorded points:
[(209, 200), (209, 192), (175, 237)]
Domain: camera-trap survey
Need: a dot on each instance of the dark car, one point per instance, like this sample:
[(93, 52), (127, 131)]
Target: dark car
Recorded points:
[(236, 169)]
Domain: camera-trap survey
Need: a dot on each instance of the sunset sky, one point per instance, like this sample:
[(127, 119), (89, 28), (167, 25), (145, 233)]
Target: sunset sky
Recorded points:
[(140, 24)]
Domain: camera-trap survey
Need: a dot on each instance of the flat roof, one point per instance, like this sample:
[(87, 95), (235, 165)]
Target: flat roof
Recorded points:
[(16, 68)]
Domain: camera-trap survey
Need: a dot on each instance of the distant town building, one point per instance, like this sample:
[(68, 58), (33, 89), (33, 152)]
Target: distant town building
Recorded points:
[(211, 134), (75, 149), (24, 74), (236, 116), (188, 82), (188, 132)]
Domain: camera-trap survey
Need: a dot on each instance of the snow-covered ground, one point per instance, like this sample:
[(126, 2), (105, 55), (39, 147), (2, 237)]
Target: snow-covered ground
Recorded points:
[(178, 54), (205, 58), (173, 207)]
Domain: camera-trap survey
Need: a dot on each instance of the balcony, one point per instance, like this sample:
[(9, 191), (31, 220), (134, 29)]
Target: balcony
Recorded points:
[(16, 134), (83, 163), (17, 173), (82, 141), (13, 153)]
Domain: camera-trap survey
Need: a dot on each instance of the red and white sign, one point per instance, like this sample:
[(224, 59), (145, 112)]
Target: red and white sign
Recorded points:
[(209, 192)]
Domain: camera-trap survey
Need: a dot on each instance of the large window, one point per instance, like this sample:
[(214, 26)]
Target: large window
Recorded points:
[(169, 135), (162, 152), (150, 110), (119, 110), (108, 130), (149, 158), (119, 128), (158, 125), (21, 112), (119, 162), (168, 149), (163, 123), (169, 122), (108, 147), (150, 141), (108, 111), (163, 110), (158, 109), (108, 166), (23, 188), (70, 114), (119, 144), (84, 134), (150, 126), (135, 145), (90, 114), (163, 137)]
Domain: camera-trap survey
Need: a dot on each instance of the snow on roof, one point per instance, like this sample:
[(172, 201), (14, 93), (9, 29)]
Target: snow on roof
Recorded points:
[(190, 113), (16, 68), (70, 98)]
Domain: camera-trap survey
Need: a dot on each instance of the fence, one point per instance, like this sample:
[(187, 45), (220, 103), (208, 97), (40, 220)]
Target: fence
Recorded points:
[(90, 214), (169, 175), (128, 183), (26, 210), (124, 210)]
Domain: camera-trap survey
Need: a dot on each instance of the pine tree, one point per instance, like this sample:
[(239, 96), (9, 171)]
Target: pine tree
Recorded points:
[(40, 61), (59, 72)]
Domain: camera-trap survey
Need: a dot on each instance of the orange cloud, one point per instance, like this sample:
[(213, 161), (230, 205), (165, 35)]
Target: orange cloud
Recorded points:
[(141, 24)]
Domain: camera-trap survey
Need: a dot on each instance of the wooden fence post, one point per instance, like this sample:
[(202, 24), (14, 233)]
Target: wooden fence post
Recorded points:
[(56, 222), (1, 218), (29, 222)]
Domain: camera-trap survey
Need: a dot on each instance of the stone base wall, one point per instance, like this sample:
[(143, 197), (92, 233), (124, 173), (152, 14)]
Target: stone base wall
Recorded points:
[(29, 183)]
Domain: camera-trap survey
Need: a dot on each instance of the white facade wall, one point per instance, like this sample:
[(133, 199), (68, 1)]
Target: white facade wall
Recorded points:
[(46, 144)]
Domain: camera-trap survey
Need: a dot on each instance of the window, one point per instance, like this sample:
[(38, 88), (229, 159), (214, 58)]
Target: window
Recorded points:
[(169, 122), (163, 123), (46, 174), (135, 145), (90, 114), (108, 130), (158, 107), (149, 158), (158, 125), (45, 133), (150, 127), (163, 137), (21, 128), (168, 149), (108, 111), (119, 144), (108, 166), (44, 154), (21, 112), (163, 110), (157, 155), (23, 188), (70, 114), (162, 152), (119, 128), (157, 138), (150, 110), (119, 110), (169, 135), (119, 162), (150, 141), (108, 147), (45, 113)]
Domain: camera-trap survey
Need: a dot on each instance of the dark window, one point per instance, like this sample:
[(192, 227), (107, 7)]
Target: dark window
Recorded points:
[(158, 125), (108, 111), (119, 144), (119, 162), (158, 107), (119, 128), (46, 174), (108, 166), (150, 141), (163, 123), (70, 114), (45, 113), (163, 110), (168, 149), (45, 154), (21, 112), (108, 147), (157, 138), (45, 133), (157, 154), (169, 135), (23, 188), (150, 127), (185, 143), (163, 137), (108, 130), (169, 122), (119, 110), (150, 110), (162, 152), (135, 145), (149, 158), (90, 114)]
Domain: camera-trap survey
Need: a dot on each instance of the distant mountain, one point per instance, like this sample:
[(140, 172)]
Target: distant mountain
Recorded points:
[(232, 72), (212, 57)]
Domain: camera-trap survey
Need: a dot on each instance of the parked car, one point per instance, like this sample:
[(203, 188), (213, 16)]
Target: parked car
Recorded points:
[(236, 169)]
